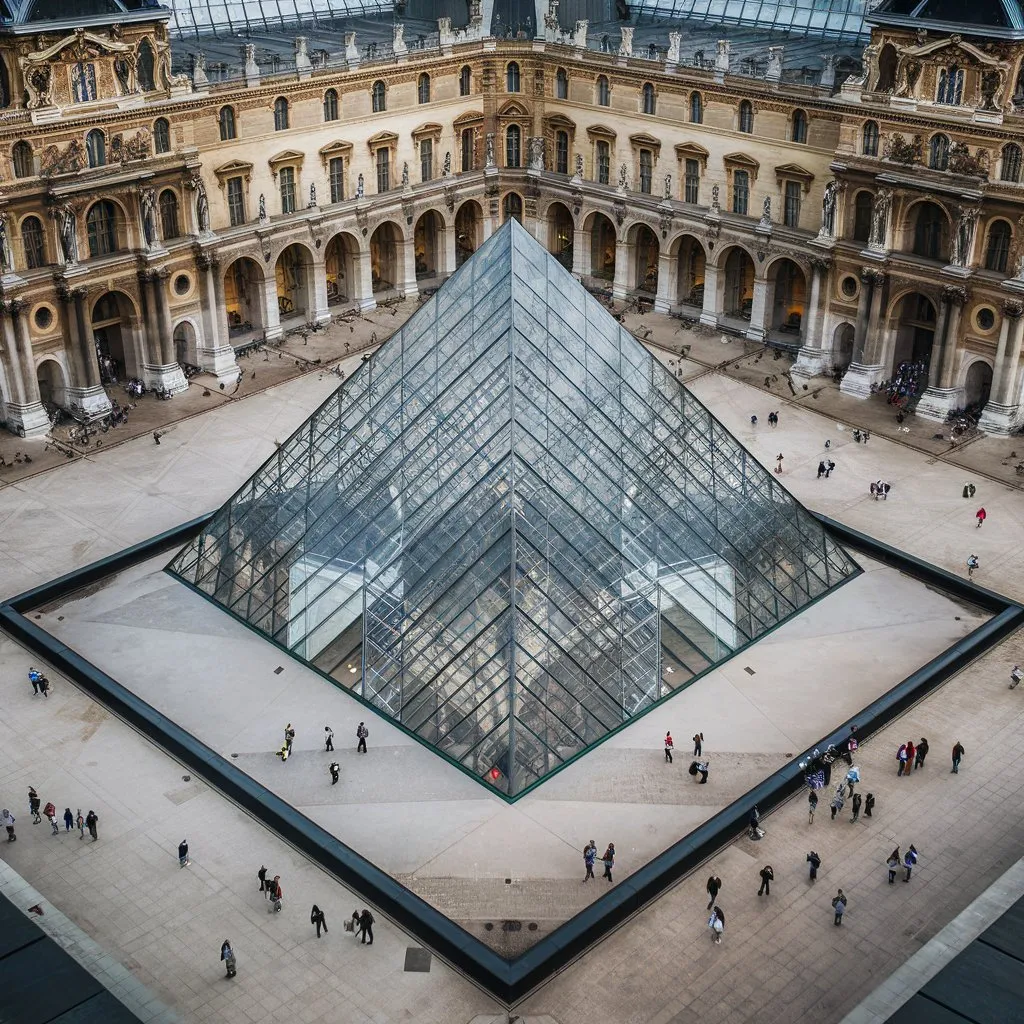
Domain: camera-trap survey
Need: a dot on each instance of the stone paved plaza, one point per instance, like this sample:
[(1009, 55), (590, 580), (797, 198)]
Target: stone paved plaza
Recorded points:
[(781, 958)]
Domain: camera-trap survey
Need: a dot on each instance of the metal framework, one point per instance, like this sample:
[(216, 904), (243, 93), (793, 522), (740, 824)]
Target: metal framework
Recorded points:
[(512, 530)]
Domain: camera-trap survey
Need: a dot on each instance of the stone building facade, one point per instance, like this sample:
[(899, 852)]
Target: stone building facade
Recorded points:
[(151, 220)]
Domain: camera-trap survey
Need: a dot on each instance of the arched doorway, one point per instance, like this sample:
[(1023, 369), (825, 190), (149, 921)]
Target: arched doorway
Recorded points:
[(978, 385), (887, 61), (243, 298), (738, 284), (467, 231), (384, 257), (427, 241), (186, 351), (561, 229), (789, 299), (691, 263), (929, 231), (52, 384), (294, 275), (914, 324), (114, 336), (340, 258), (842, 346), (602, 248), (646, 250), (512, 208)]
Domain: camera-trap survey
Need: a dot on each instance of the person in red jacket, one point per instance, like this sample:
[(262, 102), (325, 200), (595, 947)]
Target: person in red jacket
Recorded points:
[(981, 515), (668, 747), (51, 816)]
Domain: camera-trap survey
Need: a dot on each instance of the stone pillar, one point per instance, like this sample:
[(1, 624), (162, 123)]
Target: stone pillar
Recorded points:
[(869, 341), (72, 342), (709, 315), (758, 310), (320, 313), (941, 397), (90, 364), (408, 286), (810, 360), (26, 416), (87, 397), (363, 290), (620, 285), (213, 350), (449, 250), (172, 377), (580, 253), (1002, 411), (668, 283), (12, 358)]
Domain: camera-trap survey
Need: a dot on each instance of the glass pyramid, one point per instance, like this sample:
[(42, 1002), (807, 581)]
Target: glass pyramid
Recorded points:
[(512, 530)]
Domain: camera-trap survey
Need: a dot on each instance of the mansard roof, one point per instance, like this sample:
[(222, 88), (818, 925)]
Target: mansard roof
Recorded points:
[(31, 15), (1003, 19)]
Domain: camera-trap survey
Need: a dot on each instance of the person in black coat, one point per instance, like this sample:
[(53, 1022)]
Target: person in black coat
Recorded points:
[(316, 916), (366, 927)]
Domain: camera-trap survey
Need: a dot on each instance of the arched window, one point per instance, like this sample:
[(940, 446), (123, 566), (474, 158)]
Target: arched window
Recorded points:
[(162, 135), (740, 191), (603, 91), (379, 96), (746, 118), (169, 226), (423, 88), (468, 147), (652, 52), (997, 252), (513, 146), (331, 105), (799, 126), (951, 86), (227, 124), (513, 208), (33, 242), (280, 114), (648, 98), (869, 138), (561, 152), (561, 84), (863, 207), (938, 152), (96, 148), (1009, 168), (146, 67), (928, 231), (101, 227), (696, 108), (512, 77), (465, 81), (606, 45), (24, 165)]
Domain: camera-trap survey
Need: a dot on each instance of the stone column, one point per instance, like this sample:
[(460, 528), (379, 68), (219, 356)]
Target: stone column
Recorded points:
[(869, 341), (580, 253), (668, 283), (810, 360), (363, 290), (271, 310), (758, 310), (71, 339), (620, 285), (12, 358), (215, 353), (408, 286), (1002, 411), (320, 312), (941, 397), (87, 397), (709, 315), (27, 416), (449, 250)]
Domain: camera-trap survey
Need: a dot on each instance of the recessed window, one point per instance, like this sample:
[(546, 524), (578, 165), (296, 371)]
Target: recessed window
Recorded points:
[(950, 89), (43, 317), (746, 117), (423, 88), (603, 154), (162, 135), (182, 284), (561, 152), (997, 251), (465, 81), (169, 223), (512, 77), (383, 161), (869, 138), (1009, 168), (331, 105), (696, 108), (791, 204), (96, 148), (561, 84), (938, 152), (379, 98), (280, 114), (426, 159), (236, 201), (646, 171), (799, 126), (83, 82), (691, 181), (603, 91), (336, 174), (33, 242), (24, 165), (740, 191), (849, 286), (863, 208), (467, 149), (101, 228), (145, 67), (986, 319), (648, 100), (513, 207), (226, 119), (513, 146), (286, 177)]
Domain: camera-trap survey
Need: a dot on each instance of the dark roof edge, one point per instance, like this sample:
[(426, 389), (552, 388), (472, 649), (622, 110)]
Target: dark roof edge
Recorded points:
[(33, 28), (879, 19)]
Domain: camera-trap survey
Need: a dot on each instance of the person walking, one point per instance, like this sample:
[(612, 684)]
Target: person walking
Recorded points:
[(920, 754), (958, 752), (668, 747), (778, 463), (7, 820), (812, 806), (289, 737), (829, 466), (276, 895), (262, 876), (50, 811), (361, 733), (717, 925), (857, 801), (972, 564), (90, 823), (911, 754), (901, 758), (909, 860), (34, 678), (316, 916), (753, 421), (183, 861), (981, 515), (700, 768), (335, 769), (869, 804), (227, 954), (839, 907), (609, 862), (80, 822), (892, 864), (69, 819), (366, 927), (815, 862), (821, 468), (713, 887), (767, 875), (589, 856), (698, 743), (328, 739), (1015, 676), (838, 799), (34, 804)]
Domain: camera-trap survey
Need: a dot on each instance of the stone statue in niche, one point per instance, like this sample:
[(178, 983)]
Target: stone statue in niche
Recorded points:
[(668, 186), (262, 208), (828, 208), (147, 207), (68, 232), (6, 263), (880, 216), (359, 187)]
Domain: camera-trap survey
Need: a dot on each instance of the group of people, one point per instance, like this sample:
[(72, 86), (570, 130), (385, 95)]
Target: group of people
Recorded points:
[(825, 467), (697, 767), (892, 863), (910, 758), (40, 684), (907, 381), (362, 733), (880, 489), (590, 858), (89, 821), (773, 419)]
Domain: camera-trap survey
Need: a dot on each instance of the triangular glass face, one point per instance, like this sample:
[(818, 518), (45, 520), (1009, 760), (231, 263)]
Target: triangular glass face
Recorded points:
[(512, 530)]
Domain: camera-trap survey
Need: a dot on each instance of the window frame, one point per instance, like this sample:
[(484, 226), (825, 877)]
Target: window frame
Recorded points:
[(745, 117), (603, 162), (166, 211), (648, 99), (161, 136), (513, 77), (869, 138), (336, 178), (603, 91), (938, 152), (235, 191), (1011, 173), (465, 80), (34, 255), (227, 125), (740, 189), (696, 107), (645, 177), (792, 200), (514, 131), (382, 168), (288, 187), (798, 125), (282, 114), (332, 107), (1003, 251), (21, 152), (96, 148), (379, 97), (426, 155), (561, 152), (423, 88), (561, 84), (691, 181), (108, 237), (467, 150)]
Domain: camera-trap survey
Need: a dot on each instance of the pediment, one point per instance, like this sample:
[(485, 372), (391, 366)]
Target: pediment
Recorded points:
[(381, 139), (286, 156), (468, 118), (692, 151), (82, 45), (337, 148), (427, 128), (601, 130), (794, 171), (643, 139), (955, 45), (513, 109), (742, 160), (560, 121), (233, 168)]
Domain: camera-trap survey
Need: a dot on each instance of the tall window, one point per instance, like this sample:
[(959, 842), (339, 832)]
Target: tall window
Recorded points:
[(169, 226), (512, 77), (604, 96), (938, 152), (696, 108), (236, 201), (24, 165), (145, 67), (379, 98), (162, 135), (1009, 168), (280, 114), (423, 88), (997, 252), (648, 98), (465, 81), (746, 119), (799, 126), (561, 152), (513, 147), (467, 149), (928, 231), (33, 242), (869, 138), (84, 82), (383, 169), (791, 205), (336, 174), (691, 182), (740, 191), (863, 207), (331, 105), (227, 124), (426, 159), (561, 84), (513, 208), (951, 86), (286, 180), (101, 227), (96, 148), (604, 163), (646, 170)]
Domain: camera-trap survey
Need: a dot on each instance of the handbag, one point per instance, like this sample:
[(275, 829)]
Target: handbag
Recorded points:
[(350, 925)]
